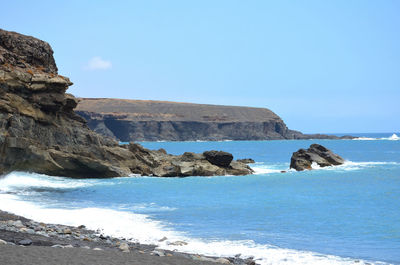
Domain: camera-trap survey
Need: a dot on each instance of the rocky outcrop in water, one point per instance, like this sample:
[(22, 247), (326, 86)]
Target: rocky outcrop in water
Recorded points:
[(146, 120), (40, 132), (323, 157)]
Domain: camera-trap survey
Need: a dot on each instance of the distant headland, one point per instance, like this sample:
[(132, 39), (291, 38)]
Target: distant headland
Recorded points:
[(147, 120)]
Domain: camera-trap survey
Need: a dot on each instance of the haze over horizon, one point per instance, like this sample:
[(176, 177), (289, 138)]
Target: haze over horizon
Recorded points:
[(323, 67)]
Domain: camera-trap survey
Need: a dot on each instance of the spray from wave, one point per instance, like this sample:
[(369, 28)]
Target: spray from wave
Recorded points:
[(22, 181), (350, 166), (262, 168), (267, 169), (394, 137)]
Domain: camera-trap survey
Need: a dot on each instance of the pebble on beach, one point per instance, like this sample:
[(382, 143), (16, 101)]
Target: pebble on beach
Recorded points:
[(25, 242), (124, 247)]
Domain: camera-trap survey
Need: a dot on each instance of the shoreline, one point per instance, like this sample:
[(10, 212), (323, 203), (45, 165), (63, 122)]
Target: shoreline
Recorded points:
[(23, 240)]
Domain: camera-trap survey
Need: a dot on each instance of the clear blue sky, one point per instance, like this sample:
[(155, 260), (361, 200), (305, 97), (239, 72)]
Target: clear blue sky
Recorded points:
[(323, 66)]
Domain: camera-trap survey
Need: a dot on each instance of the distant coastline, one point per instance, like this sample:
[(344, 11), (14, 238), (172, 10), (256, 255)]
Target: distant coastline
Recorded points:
[(147, 120)]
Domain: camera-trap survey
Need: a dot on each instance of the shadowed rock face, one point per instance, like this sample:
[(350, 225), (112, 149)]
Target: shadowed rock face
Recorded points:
[(40, 132), (303, 159)]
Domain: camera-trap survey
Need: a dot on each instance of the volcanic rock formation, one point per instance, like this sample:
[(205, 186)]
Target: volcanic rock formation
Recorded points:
[(40, 132), (323, 157), (219, 158)]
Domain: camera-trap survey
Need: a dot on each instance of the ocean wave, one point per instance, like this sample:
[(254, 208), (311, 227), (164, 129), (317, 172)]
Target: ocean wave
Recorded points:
[(269, 169), (350, 166), (141, 228), (261, 168), (394, 137), (19, 181), (112, 222)]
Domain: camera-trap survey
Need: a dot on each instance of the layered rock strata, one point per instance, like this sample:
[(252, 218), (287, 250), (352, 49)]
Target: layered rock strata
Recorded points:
[(146, 120), (40, 132), (323, 157)]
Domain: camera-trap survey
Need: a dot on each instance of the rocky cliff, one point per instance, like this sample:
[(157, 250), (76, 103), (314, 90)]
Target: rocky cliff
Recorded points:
[(40, 132), (141, 120)]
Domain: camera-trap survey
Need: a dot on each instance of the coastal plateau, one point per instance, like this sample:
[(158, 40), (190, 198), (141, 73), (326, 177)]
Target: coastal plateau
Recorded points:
[(146, 120)]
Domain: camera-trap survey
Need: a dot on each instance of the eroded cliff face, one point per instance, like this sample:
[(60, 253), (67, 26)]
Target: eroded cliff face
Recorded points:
[(138, 120), (147, 120), (40, 132)]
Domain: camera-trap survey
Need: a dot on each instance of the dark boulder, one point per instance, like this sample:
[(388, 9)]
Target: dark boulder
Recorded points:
[(218, 158), (303, 158)]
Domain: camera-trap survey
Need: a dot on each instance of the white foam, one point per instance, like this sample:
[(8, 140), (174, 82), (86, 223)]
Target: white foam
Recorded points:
[(350, 165), (394, 137), (265, 170), (21, 180), (365, 139), (112, 222), (314, 165), (261, 168)]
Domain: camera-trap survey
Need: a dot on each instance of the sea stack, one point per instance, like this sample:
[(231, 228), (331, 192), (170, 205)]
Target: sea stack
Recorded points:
[(323, 157), (40, 132)]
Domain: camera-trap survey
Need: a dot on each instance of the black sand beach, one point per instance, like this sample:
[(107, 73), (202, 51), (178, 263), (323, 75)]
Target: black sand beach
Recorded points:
[(23, 241), (16, 255)]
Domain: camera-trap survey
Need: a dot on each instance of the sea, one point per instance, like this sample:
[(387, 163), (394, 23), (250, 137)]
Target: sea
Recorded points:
[(347, 214)]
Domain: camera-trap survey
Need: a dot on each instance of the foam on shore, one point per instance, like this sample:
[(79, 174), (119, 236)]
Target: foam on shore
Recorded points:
[(18, 181)]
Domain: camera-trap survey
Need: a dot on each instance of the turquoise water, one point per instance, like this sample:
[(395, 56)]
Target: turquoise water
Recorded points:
[(333, 215)]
